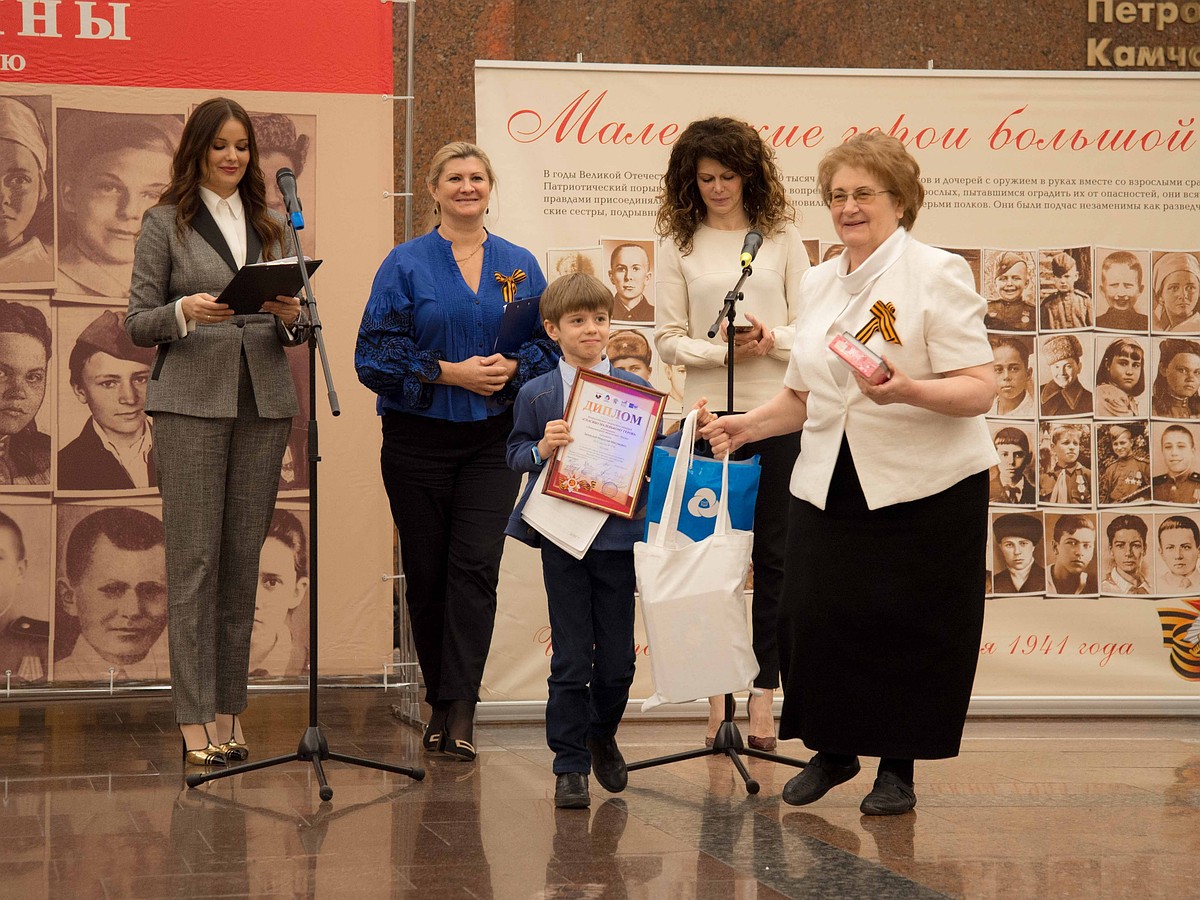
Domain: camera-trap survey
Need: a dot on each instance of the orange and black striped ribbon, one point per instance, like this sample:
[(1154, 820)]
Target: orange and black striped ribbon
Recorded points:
[(1185, 657), (508, 283), (883, 320)]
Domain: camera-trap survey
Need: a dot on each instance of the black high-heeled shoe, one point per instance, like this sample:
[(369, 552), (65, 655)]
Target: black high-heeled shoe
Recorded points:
[(432, 738), (459, 730), (210, 755)]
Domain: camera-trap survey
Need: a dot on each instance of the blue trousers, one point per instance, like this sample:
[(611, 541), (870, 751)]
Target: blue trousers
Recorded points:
[(592, 658)]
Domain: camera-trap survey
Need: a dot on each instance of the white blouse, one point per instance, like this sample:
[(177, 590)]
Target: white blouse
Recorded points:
[(901, 452), (691, 291)]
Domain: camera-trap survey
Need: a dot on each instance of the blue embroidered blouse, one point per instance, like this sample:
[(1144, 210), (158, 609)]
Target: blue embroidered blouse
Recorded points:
[(422, 311)]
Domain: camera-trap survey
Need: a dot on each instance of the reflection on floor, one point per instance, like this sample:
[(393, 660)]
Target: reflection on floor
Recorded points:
[(93, 805)]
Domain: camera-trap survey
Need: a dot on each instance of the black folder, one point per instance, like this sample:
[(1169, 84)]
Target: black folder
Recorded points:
[(520, 321), (255, 284)]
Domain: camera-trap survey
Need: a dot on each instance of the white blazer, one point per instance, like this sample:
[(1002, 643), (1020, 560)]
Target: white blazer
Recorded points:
[(901, 453)]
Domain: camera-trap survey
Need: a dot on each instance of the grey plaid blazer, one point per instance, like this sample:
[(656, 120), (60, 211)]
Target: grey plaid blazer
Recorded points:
[(198, 375)]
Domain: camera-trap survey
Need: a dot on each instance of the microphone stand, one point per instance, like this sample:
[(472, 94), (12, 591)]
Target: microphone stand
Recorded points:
[(728, 740), (313, 747)]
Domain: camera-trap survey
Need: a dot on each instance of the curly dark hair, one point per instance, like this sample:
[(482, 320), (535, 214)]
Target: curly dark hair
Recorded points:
[(191, 158), (738, 146)]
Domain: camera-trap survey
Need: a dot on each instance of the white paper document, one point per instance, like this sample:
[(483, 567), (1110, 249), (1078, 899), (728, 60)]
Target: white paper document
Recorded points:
[(570, 526)]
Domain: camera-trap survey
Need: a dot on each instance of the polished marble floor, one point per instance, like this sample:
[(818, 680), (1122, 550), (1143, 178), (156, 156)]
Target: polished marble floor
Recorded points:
[(92, 804)]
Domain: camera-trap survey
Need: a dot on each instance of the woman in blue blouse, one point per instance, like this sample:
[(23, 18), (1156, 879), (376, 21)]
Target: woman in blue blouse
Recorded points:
[(425, 347)]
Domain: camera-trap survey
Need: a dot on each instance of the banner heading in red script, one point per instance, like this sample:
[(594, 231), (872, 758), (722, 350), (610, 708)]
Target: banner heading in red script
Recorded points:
[(298, 46)]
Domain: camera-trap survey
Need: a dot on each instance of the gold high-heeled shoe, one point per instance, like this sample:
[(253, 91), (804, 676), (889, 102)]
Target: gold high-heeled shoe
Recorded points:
[(210, 755), (234, 749)]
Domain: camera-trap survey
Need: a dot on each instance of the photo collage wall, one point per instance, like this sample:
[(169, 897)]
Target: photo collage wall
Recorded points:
[(1096, 422), (82, 562)]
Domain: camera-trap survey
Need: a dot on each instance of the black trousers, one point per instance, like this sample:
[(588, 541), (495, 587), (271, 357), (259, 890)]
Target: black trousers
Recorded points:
[(777, 458), (451, 493), (592, 661)]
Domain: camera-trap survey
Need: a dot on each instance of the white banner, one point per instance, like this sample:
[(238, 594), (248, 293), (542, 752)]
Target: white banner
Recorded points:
[(1065, 171)]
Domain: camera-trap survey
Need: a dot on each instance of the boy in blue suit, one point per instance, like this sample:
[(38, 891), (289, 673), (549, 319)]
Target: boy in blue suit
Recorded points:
[(591, 599)]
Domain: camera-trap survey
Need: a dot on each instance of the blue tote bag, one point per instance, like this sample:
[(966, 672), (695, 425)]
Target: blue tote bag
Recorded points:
[(698, 514)]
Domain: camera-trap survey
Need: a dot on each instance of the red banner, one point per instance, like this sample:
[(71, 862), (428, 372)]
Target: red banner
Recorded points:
[(296, 46)]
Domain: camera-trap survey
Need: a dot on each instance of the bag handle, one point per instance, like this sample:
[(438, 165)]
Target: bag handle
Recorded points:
[(673, 502)]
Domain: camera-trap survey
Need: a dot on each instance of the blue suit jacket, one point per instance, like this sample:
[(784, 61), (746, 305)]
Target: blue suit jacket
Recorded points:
[(540, 401)]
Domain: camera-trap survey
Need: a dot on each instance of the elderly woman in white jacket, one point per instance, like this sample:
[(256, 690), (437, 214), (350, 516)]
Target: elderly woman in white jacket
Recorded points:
[(885, 473)]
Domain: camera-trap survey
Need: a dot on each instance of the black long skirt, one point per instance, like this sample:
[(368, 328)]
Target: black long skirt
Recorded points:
[(882, 619)]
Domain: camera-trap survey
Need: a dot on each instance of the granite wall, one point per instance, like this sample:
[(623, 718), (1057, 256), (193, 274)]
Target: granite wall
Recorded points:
[(969, 34)]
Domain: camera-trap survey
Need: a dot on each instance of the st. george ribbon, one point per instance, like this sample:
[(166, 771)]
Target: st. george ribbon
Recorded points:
[(286, 179)]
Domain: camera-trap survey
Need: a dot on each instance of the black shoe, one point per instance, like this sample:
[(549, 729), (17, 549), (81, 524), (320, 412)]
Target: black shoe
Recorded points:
[(816, 779), (608, 765), (571, 791), (458, 730), (890, 796), (433, 731)]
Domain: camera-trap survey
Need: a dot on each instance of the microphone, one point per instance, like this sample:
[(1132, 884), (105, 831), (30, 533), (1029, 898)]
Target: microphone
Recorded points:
[(286, 179), (754, 240)]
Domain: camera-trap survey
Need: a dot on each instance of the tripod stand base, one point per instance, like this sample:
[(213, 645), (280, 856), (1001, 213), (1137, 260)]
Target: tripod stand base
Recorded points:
[(313, 748), (728, 742)]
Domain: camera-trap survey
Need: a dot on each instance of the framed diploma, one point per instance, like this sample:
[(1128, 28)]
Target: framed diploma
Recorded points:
[(613, 425)]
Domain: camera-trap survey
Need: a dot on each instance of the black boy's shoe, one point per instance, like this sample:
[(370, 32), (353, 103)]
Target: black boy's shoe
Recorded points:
[(571, 791), (608, 765)]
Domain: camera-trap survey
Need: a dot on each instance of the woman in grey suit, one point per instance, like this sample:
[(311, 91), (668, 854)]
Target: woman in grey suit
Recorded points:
[(222, 398)]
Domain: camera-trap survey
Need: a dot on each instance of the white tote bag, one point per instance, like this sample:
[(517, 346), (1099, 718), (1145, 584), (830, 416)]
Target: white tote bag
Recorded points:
[(693, 598)]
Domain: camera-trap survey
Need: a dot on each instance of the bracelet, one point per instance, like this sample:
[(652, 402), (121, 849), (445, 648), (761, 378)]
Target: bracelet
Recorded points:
[(537, 457)]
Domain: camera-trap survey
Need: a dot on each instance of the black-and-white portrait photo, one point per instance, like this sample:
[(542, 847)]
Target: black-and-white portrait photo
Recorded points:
[(1176, 292), (111, 595), (1012, 364), (1121, 377), (630, 267), (1065, 366), (1071, 554), (25, 351), (112, 167), (1176, 379), (1013, 482), (1122, 300), (107, 440), (1017, 551), (1174, 464), (1066, 476), (1010, 287), (1178, 551), (1125, 560), (1123, 462), (27, 222), (1065, 289)]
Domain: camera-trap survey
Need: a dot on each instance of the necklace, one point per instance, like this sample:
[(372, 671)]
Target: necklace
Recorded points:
[(463, 259)]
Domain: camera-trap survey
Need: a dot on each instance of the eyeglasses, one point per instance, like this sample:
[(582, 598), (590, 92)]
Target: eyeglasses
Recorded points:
[(862, 197)]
